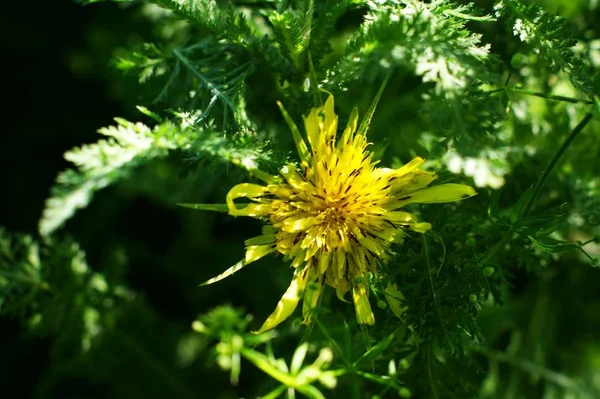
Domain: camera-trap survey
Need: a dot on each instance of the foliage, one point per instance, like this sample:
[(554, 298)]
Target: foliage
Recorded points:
[(499, 299)]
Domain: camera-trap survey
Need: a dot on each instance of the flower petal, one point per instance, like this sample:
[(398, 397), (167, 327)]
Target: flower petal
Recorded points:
[(245, 190), (321, 124), (288, 302), (420, 227), (364, 314), (350, 129), (440, 194), (410, 167)]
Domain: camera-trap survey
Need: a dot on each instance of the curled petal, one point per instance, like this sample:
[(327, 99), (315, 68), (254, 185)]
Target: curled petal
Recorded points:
[(288, 302), (246, 190)]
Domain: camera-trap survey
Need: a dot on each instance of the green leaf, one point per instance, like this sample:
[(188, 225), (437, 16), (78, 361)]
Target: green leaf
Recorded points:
[(366, 121), (550, 38), (552, 245), (493, 211), (129, 146), (517, 212), (372, 354)]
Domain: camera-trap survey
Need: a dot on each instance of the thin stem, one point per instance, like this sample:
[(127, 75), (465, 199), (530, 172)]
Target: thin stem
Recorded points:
[(430, 374), (432, 285), (549, 96), (540, 183), (542, 95), (559, 379)]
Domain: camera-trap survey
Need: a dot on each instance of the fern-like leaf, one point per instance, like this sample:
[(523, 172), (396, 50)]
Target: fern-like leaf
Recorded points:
[(130, 145), (550, 38)]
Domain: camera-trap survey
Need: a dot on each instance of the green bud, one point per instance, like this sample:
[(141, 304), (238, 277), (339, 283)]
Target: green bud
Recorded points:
[(382, 304), (470, 242), (518, 60), (488, 271)]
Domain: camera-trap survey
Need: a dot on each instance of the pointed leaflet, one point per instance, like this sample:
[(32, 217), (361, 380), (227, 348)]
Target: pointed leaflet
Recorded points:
[(364, 124), (300, 144), (253, 253), (206, 207)]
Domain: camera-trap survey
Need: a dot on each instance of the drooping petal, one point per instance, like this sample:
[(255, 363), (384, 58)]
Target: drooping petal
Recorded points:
[(288, 302), (364, 314), (253, 253)]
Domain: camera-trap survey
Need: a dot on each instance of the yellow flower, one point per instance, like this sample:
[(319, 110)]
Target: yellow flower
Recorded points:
[(336, 216)]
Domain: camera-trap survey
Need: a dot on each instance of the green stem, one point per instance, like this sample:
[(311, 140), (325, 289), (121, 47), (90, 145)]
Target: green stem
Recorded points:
[(432, 285), (559, 379), (549, 96), (536, 190), (492, 251), (540, 183), (430, 374), (542, 95)]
